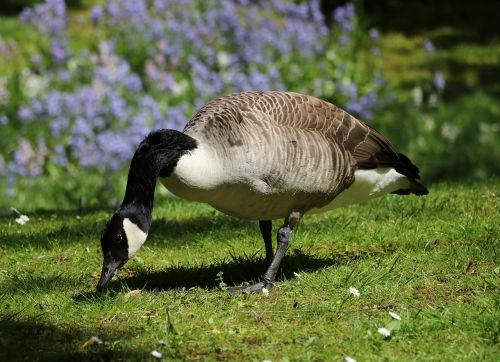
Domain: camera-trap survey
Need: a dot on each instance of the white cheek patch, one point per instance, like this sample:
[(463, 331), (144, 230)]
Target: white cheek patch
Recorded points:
[(135, 236)]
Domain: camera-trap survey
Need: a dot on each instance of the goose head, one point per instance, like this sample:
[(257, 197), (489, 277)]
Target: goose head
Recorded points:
[(125, 232)]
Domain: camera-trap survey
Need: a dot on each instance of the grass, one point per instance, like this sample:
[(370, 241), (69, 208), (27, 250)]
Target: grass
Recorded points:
[(432, 260)]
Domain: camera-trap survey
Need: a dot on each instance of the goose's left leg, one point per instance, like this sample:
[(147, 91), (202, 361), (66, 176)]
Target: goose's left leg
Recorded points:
[(284, 236), (266, 228)]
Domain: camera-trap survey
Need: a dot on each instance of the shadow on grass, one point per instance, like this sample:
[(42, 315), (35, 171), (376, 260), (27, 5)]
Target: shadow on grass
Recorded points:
[(170, 232), (178, 232), (31, 340), (239, 270)]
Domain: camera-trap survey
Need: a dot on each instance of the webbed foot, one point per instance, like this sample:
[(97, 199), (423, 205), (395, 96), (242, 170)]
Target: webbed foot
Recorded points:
[(252, 289)]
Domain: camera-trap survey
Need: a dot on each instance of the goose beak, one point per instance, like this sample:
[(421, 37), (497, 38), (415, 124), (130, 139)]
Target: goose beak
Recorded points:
[(108, 268)]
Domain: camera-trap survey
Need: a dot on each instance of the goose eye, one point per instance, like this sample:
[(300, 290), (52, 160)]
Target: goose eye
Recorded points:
[(119, 238)]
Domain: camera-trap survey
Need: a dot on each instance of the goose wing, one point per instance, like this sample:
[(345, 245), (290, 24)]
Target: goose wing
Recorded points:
[(368, 148)]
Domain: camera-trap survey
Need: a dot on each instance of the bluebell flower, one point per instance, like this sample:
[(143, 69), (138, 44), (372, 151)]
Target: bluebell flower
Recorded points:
[(344, 39), (58, 125), (133, 83), (103, 111), (344, 17), (429, 46), (258, 81), (96, 14), (9, 185), (439, 81), (59, 156), (25, 113), (176, 117), (53, 103), (374, 33), (58, 51)]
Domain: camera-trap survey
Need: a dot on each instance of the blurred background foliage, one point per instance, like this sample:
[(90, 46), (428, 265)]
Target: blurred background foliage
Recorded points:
[(81, 82)]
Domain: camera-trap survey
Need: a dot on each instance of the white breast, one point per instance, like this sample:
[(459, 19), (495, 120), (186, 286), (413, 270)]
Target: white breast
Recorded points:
[(232, 186), (197, 174)]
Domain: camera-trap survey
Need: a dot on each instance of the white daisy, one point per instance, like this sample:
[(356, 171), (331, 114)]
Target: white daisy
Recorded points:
[(296, 275), (156, 354), (23, 219), (354, 292), (265, 291), (349, 359), (95, 340), (395, 316), (384, 331)]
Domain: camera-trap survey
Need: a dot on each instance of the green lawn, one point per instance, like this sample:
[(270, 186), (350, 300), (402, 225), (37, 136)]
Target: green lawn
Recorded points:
[(432, 260)]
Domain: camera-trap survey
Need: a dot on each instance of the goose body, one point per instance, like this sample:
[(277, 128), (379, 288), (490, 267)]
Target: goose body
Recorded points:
[(259, 156), (262, 155)]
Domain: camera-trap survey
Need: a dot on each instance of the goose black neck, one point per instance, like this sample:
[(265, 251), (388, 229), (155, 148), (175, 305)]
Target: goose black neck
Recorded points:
[(156, 156)]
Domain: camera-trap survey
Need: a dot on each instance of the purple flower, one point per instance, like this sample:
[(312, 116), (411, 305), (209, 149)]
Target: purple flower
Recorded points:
[(49, 17), (96, 106), (133, 83), (344, 17), (10, 184), (53, 103), (352, 91), (439, 81), (374, 33), (58, 51), (27, 15), (25, 113), (59, 156), (58, 125), (429, 46), (96, 14), (176, 117), (4, 120)]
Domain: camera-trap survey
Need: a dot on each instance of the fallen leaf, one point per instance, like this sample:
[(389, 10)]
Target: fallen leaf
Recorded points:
[(471, 268), (149, 314), (92, 340), (132, 293)]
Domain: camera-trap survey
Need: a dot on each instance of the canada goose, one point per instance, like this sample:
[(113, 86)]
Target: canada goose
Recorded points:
[(258, 156)]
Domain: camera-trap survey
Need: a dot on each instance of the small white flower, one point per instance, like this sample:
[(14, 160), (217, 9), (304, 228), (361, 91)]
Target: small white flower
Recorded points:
[(450, 131), (354, 292), (395, 316), (223, 59), (23, 219), (384, 331), (296, 275), (96, 340), (156, 354), (349, 359), (266, 360), (265, 291), (179, 87)]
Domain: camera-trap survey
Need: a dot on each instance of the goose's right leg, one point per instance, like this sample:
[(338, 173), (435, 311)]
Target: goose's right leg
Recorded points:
[(284, 236), (266, 228)]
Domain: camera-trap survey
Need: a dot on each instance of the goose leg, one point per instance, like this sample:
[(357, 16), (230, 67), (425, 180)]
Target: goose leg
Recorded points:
[(284, 236), (266, 227)]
